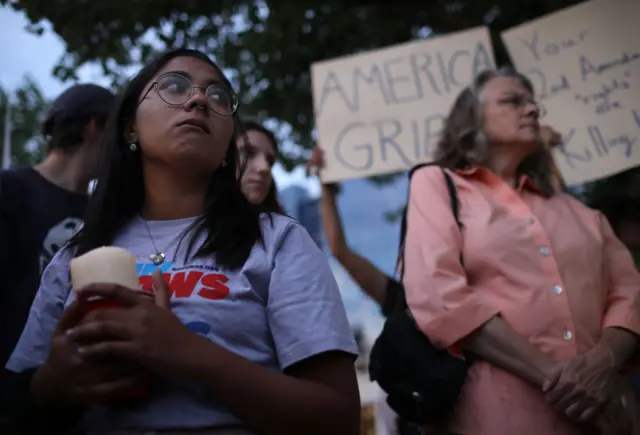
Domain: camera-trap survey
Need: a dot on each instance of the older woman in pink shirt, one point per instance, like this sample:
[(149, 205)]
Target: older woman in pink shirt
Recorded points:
[(548, 298)]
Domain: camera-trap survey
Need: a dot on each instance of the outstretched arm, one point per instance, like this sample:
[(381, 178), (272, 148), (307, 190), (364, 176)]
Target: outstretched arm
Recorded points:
[(370, 279)]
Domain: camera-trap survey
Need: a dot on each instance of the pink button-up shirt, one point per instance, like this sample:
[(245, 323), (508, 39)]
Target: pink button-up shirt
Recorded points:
[(550, 267)]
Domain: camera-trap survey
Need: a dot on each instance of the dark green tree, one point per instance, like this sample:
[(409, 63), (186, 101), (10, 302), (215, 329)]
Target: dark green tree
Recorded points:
[(28, 107), (267, 45)]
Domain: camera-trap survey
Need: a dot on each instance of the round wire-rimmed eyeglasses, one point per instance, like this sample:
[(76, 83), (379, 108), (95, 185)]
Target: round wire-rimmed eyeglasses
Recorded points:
[(176, 89), (521, 101)]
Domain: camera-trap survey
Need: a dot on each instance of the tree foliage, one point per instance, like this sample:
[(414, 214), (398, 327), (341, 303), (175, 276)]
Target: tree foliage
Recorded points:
[(268, 45), (28, 108)]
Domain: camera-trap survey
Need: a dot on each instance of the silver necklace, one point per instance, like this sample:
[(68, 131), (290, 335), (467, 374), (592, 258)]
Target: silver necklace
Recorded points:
[(159, 256)]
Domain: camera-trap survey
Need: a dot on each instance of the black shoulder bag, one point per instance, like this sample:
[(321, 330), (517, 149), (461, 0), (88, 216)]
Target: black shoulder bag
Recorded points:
[(422, 382)]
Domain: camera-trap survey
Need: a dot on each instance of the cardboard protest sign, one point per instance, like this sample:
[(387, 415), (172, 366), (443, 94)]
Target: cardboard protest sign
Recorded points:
[(383, 111), (585, 64)]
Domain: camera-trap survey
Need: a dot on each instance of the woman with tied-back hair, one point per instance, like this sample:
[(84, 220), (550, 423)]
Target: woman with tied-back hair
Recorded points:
[(258, 149), (248, 333), (535, 284)]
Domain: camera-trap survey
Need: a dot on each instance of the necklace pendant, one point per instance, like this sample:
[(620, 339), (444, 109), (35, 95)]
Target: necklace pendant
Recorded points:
[(157, 258)]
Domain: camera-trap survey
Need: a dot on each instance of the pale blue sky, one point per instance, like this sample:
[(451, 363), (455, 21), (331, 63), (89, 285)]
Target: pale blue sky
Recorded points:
[(23, 53)]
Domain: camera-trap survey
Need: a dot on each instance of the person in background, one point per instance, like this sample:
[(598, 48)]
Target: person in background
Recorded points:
[(375, 283), (248, 333), (621, 204), (258, 149), (622, 208), (42, 206), (547, 297)]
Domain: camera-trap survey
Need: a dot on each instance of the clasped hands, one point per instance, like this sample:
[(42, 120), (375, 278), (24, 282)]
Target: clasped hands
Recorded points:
[(590, 390), (98, 356)]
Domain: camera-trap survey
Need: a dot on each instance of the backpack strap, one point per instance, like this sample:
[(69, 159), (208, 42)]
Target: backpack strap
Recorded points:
[(455, 209)]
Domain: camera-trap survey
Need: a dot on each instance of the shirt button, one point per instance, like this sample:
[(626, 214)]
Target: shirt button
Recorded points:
[(544, 251), (557, 289), (568, 335)]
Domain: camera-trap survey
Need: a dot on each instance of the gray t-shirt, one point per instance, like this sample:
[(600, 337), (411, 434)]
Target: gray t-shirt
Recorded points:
[(281, 307)]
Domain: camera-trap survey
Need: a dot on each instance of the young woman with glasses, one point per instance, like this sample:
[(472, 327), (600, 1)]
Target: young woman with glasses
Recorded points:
[(248, 333)]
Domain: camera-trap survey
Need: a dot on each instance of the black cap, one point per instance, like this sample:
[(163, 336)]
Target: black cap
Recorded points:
[(79, 101)]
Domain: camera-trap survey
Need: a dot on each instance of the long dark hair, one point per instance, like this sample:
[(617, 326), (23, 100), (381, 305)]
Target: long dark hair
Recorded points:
[(463, 142), (231, 224), (270, 203)]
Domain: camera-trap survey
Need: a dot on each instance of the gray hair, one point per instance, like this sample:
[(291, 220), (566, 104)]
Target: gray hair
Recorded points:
[(464, 143)]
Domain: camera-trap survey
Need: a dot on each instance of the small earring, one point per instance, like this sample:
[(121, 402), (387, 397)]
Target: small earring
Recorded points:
[(133, 147), (224, 163)]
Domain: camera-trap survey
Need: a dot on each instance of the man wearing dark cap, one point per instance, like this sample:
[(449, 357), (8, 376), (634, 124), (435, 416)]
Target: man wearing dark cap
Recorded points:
[(42, 206)]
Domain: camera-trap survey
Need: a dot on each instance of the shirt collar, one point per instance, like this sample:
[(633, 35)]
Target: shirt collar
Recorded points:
[(489, 177)]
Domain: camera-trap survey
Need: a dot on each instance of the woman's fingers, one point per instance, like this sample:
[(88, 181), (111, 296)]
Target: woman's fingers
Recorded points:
[(106, 392), (316, 162), (99, 331), (112, 348), (554, 377), (128, 297), (581, 411), (590, 414), (161, 291), (71, 316)]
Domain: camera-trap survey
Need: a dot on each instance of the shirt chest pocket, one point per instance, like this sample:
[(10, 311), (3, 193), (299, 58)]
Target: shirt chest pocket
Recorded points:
[(579, 249), (496, 239)]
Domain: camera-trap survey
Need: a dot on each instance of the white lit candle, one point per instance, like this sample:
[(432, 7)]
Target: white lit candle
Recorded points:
[(105, 265)]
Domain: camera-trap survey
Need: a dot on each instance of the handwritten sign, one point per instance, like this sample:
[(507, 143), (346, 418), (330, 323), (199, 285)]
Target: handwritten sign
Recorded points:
[(383, 111), (585, 64)]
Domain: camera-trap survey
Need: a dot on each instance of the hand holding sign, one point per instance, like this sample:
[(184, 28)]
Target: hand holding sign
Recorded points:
[(316, 162), (550, 136)]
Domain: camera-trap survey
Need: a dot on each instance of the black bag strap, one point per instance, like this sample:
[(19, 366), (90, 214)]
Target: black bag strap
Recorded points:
[(455, 209)]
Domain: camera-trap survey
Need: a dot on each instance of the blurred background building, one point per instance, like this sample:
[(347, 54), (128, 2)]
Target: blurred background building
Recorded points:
[(364, 208)]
